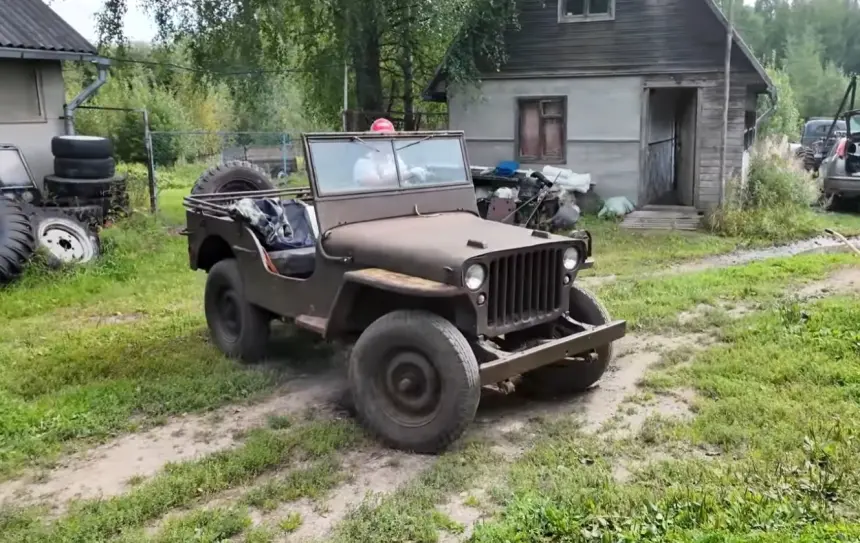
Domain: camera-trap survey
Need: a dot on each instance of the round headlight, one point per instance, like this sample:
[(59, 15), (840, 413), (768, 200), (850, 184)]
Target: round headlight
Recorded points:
[(475, 276), (571, 259)]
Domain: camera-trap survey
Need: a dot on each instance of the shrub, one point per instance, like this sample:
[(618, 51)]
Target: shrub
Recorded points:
[(774, 202)]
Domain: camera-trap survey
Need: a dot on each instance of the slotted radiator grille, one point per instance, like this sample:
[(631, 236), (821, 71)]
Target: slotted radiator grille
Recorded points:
[(524, 286)]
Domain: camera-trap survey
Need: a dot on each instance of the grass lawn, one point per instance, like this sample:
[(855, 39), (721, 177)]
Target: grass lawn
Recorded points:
[(90, 353)]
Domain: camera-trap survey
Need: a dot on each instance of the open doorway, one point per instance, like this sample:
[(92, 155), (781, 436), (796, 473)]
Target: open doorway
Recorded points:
[(670, 174)]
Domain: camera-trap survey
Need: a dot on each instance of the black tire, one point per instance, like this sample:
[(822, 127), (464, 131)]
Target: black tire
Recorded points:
[(84, 168), (81, 147), (63, 187), (232, 176), (116, 205), (64, 239), (439, 357), (17, 241), (240, 329), (572, 376), (90, 215)]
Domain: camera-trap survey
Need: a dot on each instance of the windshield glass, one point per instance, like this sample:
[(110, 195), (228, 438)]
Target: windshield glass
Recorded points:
[(361, 165)]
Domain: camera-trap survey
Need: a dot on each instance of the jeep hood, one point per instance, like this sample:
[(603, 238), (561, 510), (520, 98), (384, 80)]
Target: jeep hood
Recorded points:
[(425, 245)]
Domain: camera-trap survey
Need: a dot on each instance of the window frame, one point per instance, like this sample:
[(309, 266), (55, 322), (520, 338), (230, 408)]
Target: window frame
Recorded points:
[(41, 117), (586, 17), (518, 139)]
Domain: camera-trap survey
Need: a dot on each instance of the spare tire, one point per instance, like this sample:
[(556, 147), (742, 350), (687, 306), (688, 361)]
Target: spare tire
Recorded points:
[(65, 239), (232, 176), (84, 168), (63, 187), (81, 147), (17, 241)]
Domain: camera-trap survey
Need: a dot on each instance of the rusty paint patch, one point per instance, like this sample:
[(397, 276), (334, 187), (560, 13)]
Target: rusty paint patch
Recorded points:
[(403, 281)]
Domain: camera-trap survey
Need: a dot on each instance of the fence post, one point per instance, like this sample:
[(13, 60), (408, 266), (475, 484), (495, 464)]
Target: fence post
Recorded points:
[(284, 153), (150, 164)]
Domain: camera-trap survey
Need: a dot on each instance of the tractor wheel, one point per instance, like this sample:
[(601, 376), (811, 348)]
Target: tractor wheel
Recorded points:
[(17, 241), (575, 374), (239, 328), (414, 379)]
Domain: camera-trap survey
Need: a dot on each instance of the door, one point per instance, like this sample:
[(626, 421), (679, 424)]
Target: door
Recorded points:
[(686, 147)]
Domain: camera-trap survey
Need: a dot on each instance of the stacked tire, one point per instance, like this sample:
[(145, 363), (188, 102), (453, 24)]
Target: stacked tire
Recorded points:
[(85, 184)]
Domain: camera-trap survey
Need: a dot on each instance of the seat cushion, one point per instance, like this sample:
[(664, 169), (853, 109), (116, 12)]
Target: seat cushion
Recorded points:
[(293, 262)]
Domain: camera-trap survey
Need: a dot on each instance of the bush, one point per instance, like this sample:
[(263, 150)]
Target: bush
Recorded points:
[(774, 203)]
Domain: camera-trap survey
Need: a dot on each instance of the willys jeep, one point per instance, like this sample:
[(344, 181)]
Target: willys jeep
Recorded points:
[(436, 301)]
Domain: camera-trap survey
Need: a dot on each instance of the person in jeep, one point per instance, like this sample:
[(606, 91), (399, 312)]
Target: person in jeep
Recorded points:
[(377, 168)]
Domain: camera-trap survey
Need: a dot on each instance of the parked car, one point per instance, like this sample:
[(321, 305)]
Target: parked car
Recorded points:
[(437, 301), (816, 141), (840, 170)]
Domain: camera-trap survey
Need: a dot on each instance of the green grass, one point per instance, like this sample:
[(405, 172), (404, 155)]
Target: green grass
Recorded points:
[(410, 514), (778, 402), (190, 483), (655, 303)]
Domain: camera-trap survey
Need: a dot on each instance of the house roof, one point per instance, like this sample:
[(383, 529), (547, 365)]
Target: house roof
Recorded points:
[(31, 25), (433, 95)]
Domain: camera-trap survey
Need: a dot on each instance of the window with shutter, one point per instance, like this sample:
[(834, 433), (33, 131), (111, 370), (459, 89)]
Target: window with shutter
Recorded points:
[(541, 130)]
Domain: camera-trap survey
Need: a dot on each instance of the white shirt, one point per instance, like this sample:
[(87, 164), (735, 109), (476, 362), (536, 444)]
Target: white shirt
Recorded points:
[(377, 169)]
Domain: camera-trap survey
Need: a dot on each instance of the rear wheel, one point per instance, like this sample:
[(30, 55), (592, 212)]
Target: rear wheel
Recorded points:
[(239, 328), (414, 380), (575, 374)]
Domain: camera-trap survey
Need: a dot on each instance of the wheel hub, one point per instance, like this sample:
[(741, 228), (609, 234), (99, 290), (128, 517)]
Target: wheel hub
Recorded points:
[(228, 309), (411, 383), (63, 244)]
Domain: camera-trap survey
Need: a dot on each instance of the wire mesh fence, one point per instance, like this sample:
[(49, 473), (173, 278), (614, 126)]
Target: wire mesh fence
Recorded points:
[(179, 158)]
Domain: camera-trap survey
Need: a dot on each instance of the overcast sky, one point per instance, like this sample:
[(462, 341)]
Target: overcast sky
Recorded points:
[(138, 26)]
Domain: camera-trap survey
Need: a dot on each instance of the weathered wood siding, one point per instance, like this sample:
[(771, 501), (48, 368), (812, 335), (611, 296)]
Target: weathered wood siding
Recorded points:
[(646, 37), (710, 125)]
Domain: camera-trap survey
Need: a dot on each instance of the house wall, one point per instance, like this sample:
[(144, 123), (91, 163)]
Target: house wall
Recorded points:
[(20, 125), (645, 36), (603, 125)]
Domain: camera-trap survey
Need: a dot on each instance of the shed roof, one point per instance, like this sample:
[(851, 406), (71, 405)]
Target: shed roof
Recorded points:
[(32, 25)]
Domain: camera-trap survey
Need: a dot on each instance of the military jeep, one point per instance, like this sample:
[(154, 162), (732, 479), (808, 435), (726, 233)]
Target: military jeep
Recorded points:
[(436, 302)]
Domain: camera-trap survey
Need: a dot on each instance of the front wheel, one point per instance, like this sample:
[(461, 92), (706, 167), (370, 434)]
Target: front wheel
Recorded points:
[(239, 328), (579, 373), (414, 380)]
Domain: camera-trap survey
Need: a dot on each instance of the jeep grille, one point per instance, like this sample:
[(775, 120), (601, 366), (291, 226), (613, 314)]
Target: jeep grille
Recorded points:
[(524, 286)]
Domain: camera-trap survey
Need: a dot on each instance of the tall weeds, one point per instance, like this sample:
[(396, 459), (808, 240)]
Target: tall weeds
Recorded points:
[(775, 201)]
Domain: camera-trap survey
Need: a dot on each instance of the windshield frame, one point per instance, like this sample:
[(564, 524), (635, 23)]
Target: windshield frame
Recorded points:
[(310, 139)]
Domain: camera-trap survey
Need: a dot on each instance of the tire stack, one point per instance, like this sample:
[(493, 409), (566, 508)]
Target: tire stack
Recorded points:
[(85, 185)]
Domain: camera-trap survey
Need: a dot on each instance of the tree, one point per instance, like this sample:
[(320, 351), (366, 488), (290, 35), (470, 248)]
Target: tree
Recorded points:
[(785, 119)]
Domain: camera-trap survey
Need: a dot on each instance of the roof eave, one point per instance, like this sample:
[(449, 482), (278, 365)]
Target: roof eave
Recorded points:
[(44, 54), (742, 45)]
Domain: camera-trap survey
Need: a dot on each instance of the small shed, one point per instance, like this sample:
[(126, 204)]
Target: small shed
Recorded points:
[(34, 43), (630, 91)]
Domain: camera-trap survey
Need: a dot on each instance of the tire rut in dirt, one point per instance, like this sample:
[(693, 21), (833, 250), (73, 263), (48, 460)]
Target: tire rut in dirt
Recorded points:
[(575, 376), (232, 176), (414, 380), (17, 240), (237, 327)]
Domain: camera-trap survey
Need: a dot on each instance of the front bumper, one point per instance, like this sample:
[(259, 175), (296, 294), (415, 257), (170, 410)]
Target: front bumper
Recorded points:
[(509, 365), (842, 185)]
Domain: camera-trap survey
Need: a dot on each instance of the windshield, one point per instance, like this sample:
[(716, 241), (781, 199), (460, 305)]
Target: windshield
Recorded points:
[(853, 124), (373, 164)]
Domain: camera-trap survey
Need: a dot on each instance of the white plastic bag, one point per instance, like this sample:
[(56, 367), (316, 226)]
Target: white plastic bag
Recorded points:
[(617, 206), (578, 182)]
